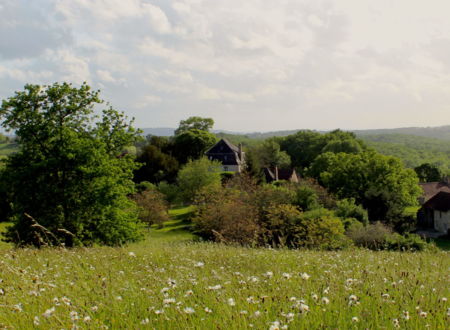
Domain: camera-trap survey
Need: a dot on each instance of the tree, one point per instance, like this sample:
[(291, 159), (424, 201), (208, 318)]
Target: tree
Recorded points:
[(70, 175), (156, 165), (192, 144), (203, 124), (196, 175), (381, 184), (270, 155), (428, 172)]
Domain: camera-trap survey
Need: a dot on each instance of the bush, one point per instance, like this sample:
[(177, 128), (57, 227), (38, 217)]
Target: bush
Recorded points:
[(372, 236), (153, 208), (171, 192), (278, 229), (321, 229), (224, 215), (306, 198), (347, 208), (408, 242)]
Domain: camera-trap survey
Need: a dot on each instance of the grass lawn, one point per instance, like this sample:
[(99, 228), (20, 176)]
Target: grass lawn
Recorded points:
[(169, 281)]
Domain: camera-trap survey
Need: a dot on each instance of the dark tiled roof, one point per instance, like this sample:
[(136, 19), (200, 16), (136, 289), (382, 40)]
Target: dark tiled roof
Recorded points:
[(432, 188), (225, 152), (439, 202), (283, 174)]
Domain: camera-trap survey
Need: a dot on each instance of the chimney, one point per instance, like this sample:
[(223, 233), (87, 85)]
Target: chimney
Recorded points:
[(240, 152), (276, 173)]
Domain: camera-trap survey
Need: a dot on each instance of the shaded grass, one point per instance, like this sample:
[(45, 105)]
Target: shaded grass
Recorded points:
[(442, 243), (4, 245)]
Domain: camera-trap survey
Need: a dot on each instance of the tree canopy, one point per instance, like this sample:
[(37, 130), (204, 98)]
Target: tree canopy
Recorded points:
[(69, 181), (203, 124)]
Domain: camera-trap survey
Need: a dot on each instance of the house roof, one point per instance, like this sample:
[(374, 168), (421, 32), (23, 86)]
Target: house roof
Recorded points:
[(225, 152), (439, 202), (283, 174), (432, 188)]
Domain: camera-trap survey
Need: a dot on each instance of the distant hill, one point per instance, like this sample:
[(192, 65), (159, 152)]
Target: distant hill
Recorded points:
[(441, 132)]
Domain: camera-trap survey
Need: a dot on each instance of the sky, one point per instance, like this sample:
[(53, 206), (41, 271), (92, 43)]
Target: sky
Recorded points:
[(252, 65)]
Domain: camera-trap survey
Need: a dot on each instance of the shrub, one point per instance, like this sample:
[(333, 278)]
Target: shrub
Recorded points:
[(347, 208), (321, 229), (153, 207), (225, 215), (279, 225), (171, 192), (372, 236), (198, 174), (408, 242), (306, 198)]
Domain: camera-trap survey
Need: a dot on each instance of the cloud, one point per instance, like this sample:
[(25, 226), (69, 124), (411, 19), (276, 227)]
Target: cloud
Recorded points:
[(251, 65)]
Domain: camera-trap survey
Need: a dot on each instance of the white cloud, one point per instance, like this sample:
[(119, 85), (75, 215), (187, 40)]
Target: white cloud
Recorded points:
[(273, 64)]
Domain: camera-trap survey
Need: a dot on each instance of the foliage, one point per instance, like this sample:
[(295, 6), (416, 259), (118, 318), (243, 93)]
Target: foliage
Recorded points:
[(407, 242), (156, 165), (305, 146), (171, 192), (270, 155), (347, 208), (197, 174), (372, 236), (280, 225), (224, 216), (197, 123), (379, 183), (306, 198), (153, 207), (428, 173), (321, 229), (70, 173), (192, 144)]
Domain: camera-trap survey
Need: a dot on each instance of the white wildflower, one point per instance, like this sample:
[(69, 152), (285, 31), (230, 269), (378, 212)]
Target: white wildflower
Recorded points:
[(17, 308), (36, 321), (257, 314), (405, 315), (325, 300), (207, 310), (304, 276), (74, 315), (94, 308), (396, 323), (169, 301), (423, 314), (286, 275), (275, 325), (355, 319), (314, 297), (199, 264), (215, 287), (268, 274), (189, 310), (87, 319), (145, 321), (49, 312), (131, 254), (231, 302)]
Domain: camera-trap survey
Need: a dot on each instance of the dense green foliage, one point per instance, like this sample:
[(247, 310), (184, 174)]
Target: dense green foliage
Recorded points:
[(380, 183), (428, 173), (198, 123), (68, 182), (412, 150)]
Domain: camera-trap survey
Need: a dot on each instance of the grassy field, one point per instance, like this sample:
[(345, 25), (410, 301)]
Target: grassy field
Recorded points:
[(171, 282)]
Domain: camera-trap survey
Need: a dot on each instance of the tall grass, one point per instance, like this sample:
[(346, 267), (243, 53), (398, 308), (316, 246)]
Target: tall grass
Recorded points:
[(170, 282)]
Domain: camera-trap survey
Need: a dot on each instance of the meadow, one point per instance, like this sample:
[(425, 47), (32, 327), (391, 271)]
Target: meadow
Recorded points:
[(172, 281)]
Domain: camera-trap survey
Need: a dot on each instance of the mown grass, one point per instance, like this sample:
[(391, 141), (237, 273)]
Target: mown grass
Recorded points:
[(170, 282)]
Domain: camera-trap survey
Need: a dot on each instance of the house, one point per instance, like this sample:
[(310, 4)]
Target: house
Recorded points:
[(435, 213), (430, 189), (231, 157), (280, 174)]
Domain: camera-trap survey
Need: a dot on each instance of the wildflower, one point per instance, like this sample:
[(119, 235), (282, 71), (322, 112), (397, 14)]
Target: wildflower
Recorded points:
[(207, 310), (87, 319), (94, 308), (303, 308), (164, 290), (275, 325), (189, 293), (405, 315), (2, 292), (268, 274), (199, 264), (243, 312), (49, 312), (423, 314), (119, 298), (315, 297), (36, 321), (215, 287), (286, 275), (355, 319), (251, 300), (17, 308), (74, 315), (189, 310), (304, 276), (325, 300), (290, 316), (131, 254), (444, 299), (231, 302), (396, 323), (253, 279), (326, 290), (169, 301), (145, 321), (385, 296), (257, 314), (159, 311), (66, 301), (352, 299)]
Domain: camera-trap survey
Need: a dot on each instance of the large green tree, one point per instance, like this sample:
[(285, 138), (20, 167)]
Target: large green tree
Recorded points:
[(69, 181), (381, 184), (200, 123), (192, 144)]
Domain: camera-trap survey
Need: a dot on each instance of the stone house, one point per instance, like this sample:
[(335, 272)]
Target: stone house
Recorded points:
[(435, 213), (232, 157)]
